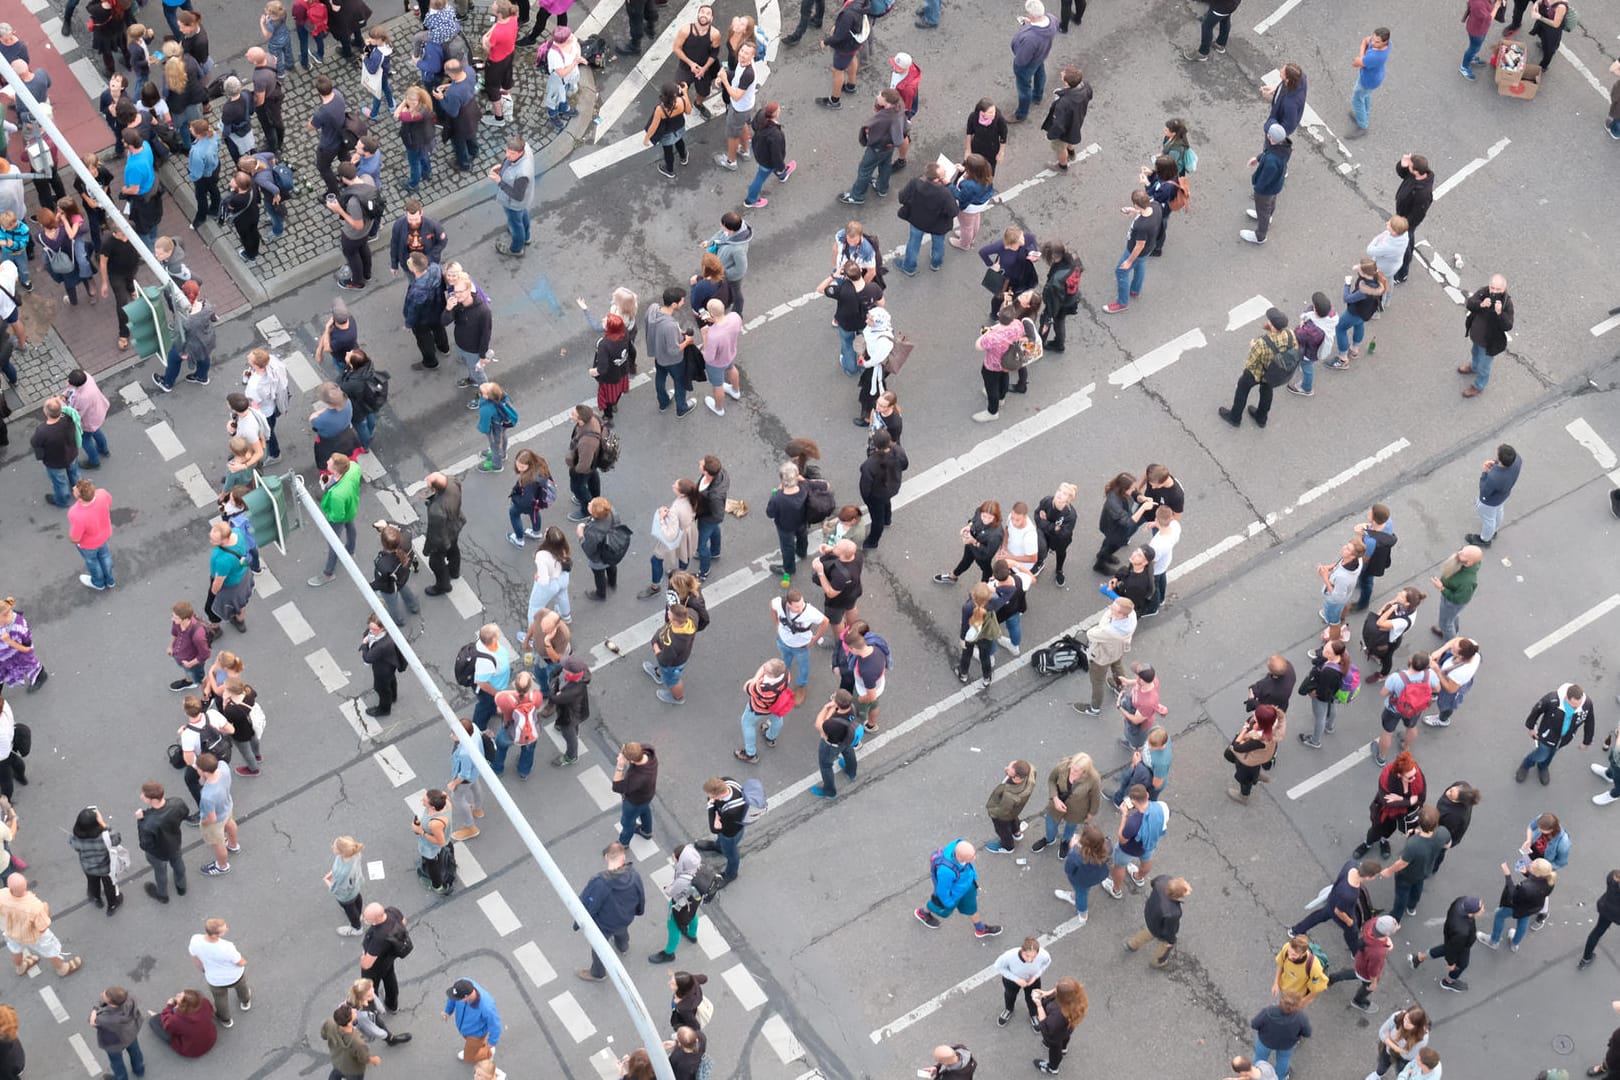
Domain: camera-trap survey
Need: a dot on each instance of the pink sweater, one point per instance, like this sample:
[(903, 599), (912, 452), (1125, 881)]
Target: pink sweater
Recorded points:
[(995, 342), (91, 403)]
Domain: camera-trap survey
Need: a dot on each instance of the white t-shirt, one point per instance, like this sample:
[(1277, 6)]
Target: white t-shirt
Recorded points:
[(1461, 671), (252, 426), (1023, 542), (261, 390), (191, 734), (746, 81), (795, 631), (1163, 543), (219, 960)]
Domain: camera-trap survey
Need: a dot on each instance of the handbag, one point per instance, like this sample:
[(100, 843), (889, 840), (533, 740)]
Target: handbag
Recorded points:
[(899, 353), (117, 856), (993, 279), (705, 1011), (784, 702), (257, 718)]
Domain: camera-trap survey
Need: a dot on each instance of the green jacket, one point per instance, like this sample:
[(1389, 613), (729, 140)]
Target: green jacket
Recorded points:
[(350, 1054), (341, 502), (1461, 581), (1007, 801)]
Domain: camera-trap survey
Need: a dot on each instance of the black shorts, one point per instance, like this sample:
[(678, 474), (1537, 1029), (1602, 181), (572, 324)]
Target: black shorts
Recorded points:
[(498, 77), (1391, 719)]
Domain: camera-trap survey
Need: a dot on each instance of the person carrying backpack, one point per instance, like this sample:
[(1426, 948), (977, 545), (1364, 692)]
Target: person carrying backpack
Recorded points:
[(1275, 343), (1060, 296), (1318, 324), (358, 207), (727, 808), (955, 882), (1407, 695)]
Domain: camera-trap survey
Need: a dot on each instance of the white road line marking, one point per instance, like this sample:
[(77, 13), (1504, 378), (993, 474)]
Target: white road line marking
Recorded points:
[(634, 637), (1586, 72), (54, 1004), (81, 1048), (53, 30), (573, 1017), (394, 766), (1575, 625), (499, 913), (599, 787), (641, 849), (562, 744), (1474, 166), (1247, 312), (167, 442), (1338, 768), (265, 584), (1044, 175), (1348, 474), (303, 373), (624, 94), (630, 145), (662, 876), (1156, 360), (1276, 16), (396, 507), (744, 987), (326, 669), (604, 1061), (468, 870), (1582, 433), (1606, 325), (462, 598), (267, 326), (294, 623), (776, 1033), (967, 985), (372, 468), (136, 397), (1011, 666), (36, 6), (599, 17), (517, 438), (534, 964), (374, 870), (711, 941), (365, 726), (196, 485)]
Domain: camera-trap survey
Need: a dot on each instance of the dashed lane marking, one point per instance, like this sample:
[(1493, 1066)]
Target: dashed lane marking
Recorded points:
[(1276, 16), (294, 623), (711, 941), (599, 787), (396, 507), (499, 913), (1606, 325), (1586, 72), (1156, 360), (265, 584), (776, 1033), (54, 1004), (1574, 626), (745, 987), (367, 727), (1444, 187), (1247, 312), (624, 94), (303, 373), (326, 669), (372, 468), (633, 637), (196, 485), (604, 1061), (535, 965), (86, 1058), (394, 766), (573, 1017), (167, 442), (1337, 769), (562, 744), (136, 397), (1582, 432), (462, 598), (1044, 175), (1348, 474)]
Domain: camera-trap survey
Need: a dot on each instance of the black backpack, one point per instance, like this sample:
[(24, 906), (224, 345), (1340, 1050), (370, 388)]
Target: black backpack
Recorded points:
[(211, 740), (355, 126), (607, 451), (370, 201), (706, 883), (467, 663), (819, 502), (1283, 363), (1064, 655), (401, 938), (377, 389), (877, 261)]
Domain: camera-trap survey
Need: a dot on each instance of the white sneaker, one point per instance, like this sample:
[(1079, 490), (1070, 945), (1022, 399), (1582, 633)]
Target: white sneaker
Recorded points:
[(350, 931), (733, 394), (1435, 721), (1064, 895), (984, 416), (1485, 940), (1599, 770), (1604, 798), (717, 410), (1109, 888), (1250, 236), (1252, 215), (514, 539)]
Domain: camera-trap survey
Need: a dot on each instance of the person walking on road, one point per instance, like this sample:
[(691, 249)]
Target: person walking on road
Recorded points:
[(466, 797), (1279, 1028), (770, 154), (382, 944), (684, 902), (1270, 171), (514, 180), (157, 828), (1520, 901), (27, 923), (882, 136), (223, 967), (1065, 121), (1418, 862), (725, 812), (850, 30), (1371, 59), (1552, 724), (343, 881), (1489, 318), (1274, 345), (1341, 902), (1218, 14), (615, 898), (477, 1020), (1377, 939), (1086, 865), (1162, 915), (1608, 913), (350, 1053), (1058, 1012), (1459, 576), (1496, 480), (1415, 194), (955, 883), (117, 1022), (1006, 806), (442, 545), (1458, 939), (1031, 45)]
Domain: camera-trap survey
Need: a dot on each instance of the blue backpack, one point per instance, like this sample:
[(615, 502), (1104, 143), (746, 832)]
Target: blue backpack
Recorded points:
[(882, 646)]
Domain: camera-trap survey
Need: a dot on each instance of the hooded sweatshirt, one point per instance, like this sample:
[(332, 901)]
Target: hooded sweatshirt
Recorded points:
[(731, 248), (118, 1025), (614, 899), (640, 781), (770, 143), (1007, 800), (474, 1020), (350, 1053), (1272, 168), (686, 865), (1328, 324), (674, 641)]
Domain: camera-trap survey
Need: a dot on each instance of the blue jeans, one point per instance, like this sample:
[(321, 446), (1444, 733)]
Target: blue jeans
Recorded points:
[(421, 162), (1130, 280), (1334, 611), (1031, 80), (873, 160), (20, 258), (115, 1058), (171, 372), (1520, 926), (278, 223), (1014, 625), (675, 374), (1206, 30), (62, 481), (908, 261), (750, 728), (658, 569), (930, 12), (503, 746), (630, 816), (1068, 833), (1082, 901), (730, 847), (759, 182), (1614, 128), (1540, 757), (553, 594), (484, 712), (1307, 375), (1263, 1052), (99, 562), (171, 12), (846, 346), (1361, 105), (1490, 519), (272, 448), (344, 529), (387, 98), (1480, 361), (517, 224), (797, 661), (363, 428), (1449, 614), (1349, 321), (521, 521), (1472, 51), (95, 445), (1407, 895), (708, 546)]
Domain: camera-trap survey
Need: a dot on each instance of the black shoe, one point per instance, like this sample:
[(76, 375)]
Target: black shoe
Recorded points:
[(396, 1040), (1475, 538), (661, 957), (438, 590), (647, 833), (1543, 775), (1383, 849), (1257, 416), (1229, 417), (152, 891), (377, 712), (1361, 850), (1039, 845), (792, 39)]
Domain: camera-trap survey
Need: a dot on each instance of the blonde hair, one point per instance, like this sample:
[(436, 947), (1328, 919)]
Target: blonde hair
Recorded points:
[(348, 846), (360, 989), (230, 661), (276, 9), (981, 604), (8, 605), (1543, 869)]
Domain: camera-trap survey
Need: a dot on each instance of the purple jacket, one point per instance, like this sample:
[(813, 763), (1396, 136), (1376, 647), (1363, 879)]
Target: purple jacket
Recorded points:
[(1032, 43)]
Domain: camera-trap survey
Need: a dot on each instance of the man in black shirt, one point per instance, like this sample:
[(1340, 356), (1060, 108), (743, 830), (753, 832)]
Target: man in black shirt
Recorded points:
[(119, 260), (727, 807), (853, 296), (835, 723), (1275, 687), (157, 825), (327, 123), (379, 948), (56, 446), (838, 572)]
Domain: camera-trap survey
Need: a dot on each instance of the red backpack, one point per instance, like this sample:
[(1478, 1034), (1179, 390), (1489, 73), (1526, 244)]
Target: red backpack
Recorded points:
[(1414, 696)]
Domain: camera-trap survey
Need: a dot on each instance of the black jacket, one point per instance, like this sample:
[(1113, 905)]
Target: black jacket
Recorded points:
[(1322, 682), (353, 384), (986, 539), (1483, 326), (1524, 898), (770, 144), (846, 24), (640, 782), (433, 241), (1608, 904), (1162, 914), (1459, 930), (444, 519), (158, 831), (1414, 197), (1378, 561), (572, 698), (1068, 114), (55, 445), (928, 206), (382, 652), (880, 477), (388, 574), (1546, 719), (1116, 522), (1455, 816), (1054, 524), (473, 325), (714, 496)]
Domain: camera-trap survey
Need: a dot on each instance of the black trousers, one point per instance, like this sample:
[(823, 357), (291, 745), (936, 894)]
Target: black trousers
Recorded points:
[(986, 651), (1054, 339), (431, 341), (386, 981), (99, 885), (385, 680), (323, 165), (358, 252), (207, 192), (1073, 12), (1057, 551), (879, 515), (1379, 832), (1363, 992), (1406, 260), (1055, 1052), (1603, 924), (643, 19), (969, 557), (352, 909), (995, 388), (247, 231), (1240, 397), (193, 785), (1010, 991), (810, 11), (1006, 832), (445, 566), (275, 134)]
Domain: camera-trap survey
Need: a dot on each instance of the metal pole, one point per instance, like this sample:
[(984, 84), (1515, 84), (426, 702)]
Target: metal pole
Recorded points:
[(633, 1003), (27, 101)]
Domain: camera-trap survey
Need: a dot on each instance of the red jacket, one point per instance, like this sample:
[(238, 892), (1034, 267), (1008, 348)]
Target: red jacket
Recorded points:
[(191, 1034), (907, 88), (1374, 951)]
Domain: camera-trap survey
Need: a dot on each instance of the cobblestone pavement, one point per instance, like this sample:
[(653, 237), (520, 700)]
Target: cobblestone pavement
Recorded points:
[(42, 370), (311, 229)]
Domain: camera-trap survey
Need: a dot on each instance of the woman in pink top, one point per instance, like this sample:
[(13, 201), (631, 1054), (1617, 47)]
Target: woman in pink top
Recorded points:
[(86, 397), (90, 528), (720, 337), (994, 343), (1139, 705)]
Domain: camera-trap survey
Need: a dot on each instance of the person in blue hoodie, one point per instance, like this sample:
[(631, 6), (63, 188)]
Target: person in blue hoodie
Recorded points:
[(955, 882), (495, 417), (478, 1022), (1270, 170), (1496, 482), (615, 898)]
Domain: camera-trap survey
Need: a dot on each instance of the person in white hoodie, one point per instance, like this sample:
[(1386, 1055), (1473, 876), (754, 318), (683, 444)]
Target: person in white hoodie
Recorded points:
[(684, 901), (1317, 325), (1388, 248)]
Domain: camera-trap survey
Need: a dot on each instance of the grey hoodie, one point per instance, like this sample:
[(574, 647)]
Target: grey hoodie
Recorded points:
[(680, 886), (117, 1025), (731, 248), (197, 330)]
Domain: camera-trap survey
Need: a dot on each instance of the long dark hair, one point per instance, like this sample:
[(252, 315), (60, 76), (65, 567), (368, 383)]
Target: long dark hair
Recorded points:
[(686, 982), (689, 491), (88, 824), (556, 544)]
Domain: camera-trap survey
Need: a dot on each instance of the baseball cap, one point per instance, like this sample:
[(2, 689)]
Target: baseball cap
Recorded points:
[(1276, 133), (575, 666), (1386, 925), (462, 989), (1276, 318), (901, 61)]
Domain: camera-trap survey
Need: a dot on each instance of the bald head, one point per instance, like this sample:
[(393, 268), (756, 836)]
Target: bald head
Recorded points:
[(1277, 665), (437, 481), (257, 56), (845, 550), (374, 914), (18, 885), (1498, 283), (965, 852), (945, 1055), (1470, 555)]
